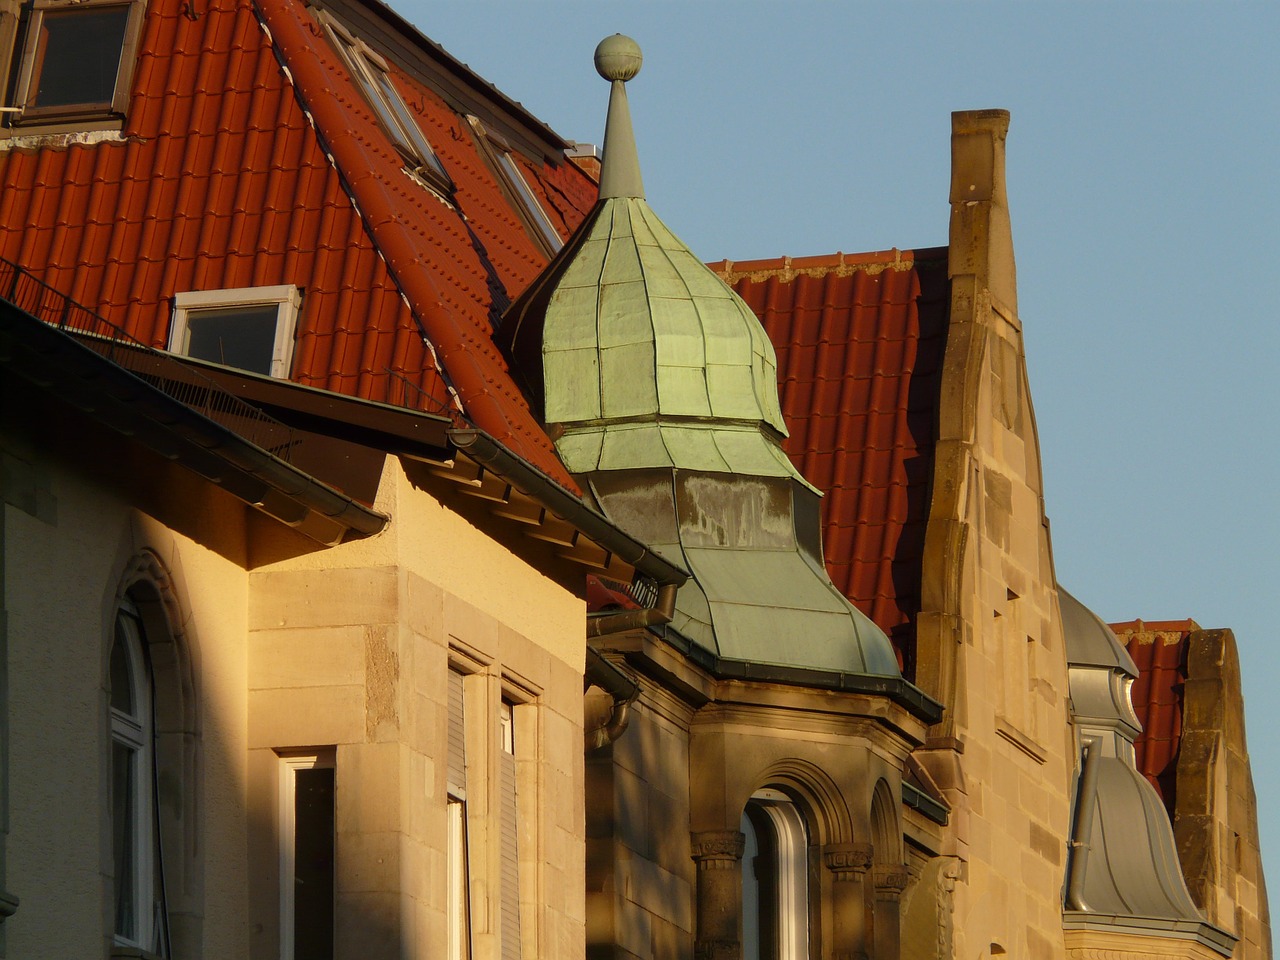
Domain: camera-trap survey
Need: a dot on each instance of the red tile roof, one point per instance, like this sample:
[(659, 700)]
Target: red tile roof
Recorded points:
[(1159, 648), (859, 342), (232, 173)]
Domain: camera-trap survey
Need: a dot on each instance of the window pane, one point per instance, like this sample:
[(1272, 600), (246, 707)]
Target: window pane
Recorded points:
[(243, 337), (123, 837), (121, 675), (78, 56), (313, 864)]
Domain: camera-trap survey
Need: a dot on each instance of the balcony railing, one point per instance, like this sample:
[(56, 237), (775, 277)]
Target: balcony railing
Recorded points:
[(161, 370)]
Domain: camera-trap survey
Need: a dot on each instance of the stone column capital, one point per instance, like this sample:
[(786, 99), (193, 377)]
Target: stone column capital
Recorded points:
[(889, 879), (848, 861), (718, 849)]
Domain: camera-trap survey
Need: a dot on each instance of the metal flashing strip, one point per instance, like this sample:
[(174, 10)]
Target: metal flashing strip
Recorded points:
[(917, 799), (918, 703), (1205, 933)]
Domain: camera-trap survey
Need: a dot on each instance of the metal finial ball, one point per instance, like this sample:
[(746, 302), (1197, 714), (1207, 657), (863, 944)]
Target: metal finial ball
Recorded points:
[(618, 58)]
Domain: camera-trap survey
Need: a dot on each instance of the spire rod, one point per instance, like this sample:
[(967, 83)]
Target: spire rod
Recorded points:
[(618, 59)]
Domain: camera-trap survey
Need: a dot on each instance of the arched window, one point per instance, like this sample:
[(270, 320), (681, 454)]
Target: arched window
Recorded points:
[(140, 918), (775, 879)]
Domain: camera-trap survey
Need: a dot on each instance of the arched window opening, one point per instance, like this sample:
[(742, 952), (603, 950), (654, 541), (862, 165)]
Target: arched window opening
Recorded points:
[(775, 879), (140, 918)]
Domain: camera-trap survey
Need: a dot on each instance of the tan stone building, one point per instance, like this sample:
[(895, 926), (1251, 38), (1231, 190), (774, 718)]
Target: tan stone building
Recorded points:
[(413, 549)]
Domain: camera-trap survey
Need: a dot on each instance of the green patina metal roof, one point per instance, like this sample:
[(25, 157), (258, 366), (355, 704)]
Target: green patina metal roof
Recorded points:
[(661, 387), (639, 327)]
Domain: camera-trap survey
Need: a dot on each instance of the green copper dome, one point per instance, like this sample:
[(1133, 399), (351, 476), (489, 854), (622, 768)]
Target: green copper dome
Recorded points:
[(660, 389)]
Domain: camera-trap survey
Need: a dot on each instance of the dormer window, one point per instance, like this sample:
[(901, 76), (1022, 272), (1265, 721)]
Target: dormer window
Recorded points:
[(512, 178), (76, 61), (250, 328), (373, 74)]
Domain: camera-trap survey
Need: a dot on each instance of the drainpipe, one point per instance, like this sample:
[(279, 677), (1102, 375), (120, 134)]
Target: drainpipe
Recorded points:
[(624, 691), (1082, 826), (660, 613)]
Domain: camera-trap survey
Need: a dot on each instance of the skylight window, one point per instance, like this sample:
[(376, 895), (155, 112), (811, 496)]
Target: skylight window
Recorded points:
[(534, 215), (250, 328), (373, 74), (76, 60)]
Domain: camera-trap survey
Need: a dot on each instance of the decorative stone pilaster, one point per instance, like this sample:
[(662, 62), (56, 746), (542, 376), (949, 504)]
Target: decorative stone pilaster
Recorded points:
[(889, 880), (718, 854), (848, 863)]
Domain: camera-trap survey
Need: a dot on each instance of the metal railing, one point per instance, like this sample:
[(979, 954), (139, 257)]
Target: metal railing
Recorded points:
[(161, 370)]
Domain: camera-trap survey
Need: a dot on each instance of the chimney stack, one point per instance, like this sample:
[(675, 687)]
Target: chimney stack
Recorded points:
[(981, 239)]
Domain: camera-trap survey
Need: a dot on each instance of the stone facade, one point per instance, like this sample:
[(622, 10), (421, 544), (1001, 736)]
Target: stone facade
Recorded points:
[(343, 652), (1215, 815)]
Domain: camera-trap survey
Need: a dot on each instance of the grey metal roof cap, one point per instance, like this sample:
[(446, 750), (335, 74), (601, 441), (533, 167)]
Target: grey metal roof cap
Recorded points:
[(1133, 879), (1090, 642)]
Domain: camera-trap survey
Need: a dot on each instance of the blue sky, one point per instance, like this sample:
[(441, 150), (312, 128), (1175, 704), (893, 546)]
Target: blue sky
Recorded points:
[(1142, 169)]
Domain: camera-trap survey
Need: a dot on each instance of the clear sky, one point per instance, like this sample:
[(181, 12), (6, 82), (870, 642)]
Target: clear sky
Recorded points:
[(1142, 169)]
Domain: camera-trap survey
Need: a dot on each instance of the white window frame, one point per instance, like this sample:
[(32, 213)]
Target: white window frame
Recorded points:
[(790, 885), (372, 74), (286, 298), (290, 764), (26, 53), (537, 221), (458, 881), (135, 731)]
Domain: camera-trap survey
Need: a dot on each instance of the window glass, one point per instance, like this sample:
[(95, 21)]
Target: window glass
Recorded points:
[(242, 337), (370, 72), (537, 214), (77, 56), (121, 673), (313, 863), (124, 838)]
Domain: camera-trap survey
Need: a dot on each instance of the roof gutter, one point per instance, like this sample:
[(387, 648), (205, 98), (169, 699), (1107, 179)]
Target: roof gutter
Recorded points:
[(485, 450)]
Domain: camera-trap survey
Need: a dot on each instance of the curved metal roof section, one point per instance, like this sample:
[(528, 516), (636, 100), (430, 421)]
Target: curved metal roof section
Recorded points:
[(1090, 642), (1124, 872), (632, 346), (860, 339)]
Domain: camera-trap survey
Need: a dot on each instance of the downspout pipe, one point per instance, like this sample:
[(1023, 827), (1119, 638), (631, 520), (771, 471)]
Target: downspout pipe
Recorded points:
[(624, 691), (662, 612), (1082, 824)]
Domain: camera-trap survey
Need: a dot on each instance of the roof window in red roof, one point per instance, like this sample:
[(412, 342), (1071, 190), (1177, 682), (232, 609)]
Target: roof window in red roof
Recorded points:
[(75, 62), (537, 222), (373, 75), (249, 328)]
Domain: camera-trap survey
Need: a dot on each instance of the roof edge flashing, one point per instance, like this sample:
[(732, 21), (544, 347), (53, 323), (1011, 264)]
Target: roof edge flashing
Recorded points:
[(1203, 932)]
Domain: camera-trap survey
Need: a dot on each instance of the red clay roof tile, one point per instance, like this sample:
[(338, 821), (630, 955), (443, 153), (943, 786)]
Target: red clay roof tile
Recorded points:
[(1159, 649), (222, 180), (859, 341)]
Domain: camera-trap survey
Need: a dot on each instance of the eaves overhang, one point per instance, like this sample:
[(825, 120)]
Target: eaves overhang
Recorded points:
[(55, 362), (523, 493)]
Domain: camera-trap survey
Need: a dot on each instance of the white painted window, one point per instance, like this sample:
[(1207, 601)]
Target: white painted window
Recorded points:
[(250, 328), (306, 825), (139, 912), (775, 879), (373, 74)]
